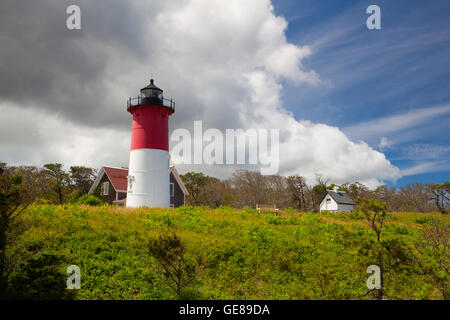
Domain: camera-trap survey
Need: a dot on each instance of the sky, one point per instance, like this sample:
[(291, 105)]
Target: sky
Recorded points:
[(351, 104)]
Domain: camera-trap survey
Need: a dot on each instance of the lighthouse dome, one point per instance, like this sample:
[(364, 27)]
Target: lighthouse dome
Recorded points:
[(152, 91), (151, 95)]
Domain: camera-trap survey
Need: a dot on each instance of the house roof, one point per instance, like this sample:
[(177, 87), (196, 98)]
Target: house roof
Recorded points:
[(117, 176), (119, 179), (339, 196), (177, 177)]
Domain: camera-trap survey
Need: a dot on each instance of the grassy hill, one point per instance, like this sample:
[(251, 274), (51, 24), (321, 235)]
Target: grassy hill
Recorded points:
[(246, 255)]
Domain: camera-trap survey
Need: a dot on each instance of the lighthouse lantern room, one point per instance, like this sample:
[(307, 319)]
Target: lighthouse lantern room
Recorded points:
[(148, 177)]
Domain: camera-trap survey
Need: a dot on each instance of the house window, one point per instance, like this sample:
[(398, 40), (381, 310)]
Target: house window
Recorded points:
[(130, 183), (105, 188), (172, 189)]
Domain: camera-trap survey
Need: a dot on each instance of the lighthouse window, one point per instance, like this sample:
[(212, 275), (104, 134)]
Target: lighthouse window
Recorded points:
[(151, 93), (147, 93), (105, 188), (130, 183)]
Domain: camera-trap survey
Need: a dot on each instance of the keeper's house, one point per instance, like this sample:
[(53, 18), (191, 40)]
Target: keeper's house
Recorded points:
[(336, 201), (113, 184)]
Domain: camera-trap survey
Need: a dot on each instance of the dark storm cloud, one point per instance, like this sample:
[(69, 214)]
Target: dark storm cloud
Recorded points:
[(46, 66), (63, 93)]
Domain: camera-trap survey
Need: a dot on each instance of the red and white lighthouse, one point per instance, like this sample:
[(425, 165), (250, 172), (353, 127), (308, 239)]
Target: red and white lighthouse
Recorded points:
[(148, 175)]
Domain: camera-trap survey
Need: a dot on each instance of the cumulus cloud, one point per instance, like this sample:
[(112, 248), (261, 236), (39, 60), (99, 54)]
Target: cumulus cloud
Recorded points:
[(223, 61), (36, 137), (312, 148)]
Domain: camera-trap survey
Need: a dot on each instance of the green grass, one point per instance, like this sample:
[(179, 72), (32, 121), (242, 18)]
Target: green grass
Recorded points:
[(246, 255)]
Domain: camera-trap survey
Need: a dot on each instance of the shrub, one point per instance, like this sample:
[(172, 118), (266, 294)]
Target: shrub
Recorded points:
[(274, 220), (90, 200), (398, 229), (357, 214), (41, 202), (311, 219), (248, 209), (39, 277), (185, 209), (74, 196), (270, 219), (306, 256), (190, 294), (422, 220), (289, 211), (167, 220), (45, 210)]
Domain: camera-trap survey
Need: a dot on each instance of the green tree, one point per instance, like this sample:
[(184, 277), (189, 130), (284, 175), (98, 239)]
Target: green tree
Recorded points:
[(387, 195), (17, 192), (216, 193), (174, 267), (209, 191), (58, 179), (433, 253), (298, 190), (376, 214), (440, 194), (195, 183), (82, 178), (355, 190), (317, 193)]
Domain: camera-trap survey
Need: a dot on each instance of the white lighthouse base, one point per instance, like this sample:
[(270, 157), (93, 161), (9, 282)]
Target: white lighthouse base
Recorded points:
[(148, 178)]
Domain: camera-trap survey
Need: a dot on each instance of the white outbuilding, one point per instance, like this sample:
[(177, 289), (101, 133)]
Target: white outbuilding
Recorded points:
[(336, 201)]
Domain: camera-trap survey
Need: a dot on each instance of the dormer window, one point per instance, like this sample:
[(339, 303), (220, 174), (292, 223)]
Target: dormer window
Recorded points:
[(105, 188)]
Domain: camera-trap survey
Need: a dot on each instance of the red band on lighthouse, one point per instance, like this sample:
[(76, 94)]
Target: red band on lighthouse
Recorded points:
[(150, 128)]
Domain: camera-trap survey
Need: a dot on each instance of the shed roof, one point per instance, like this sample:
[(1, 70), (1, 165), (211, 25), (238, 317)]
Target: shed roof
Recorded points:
[(340, 197)]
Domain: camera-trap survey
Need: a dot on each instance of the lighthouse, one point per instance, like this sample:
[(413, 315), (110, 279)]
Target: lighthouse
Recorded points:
[(148, 174)]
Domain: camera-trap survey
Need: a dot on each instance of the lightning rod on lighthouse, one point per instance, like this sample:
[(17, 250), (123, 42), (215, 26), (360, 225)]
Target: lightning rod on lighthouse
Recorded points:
[(148, 177)]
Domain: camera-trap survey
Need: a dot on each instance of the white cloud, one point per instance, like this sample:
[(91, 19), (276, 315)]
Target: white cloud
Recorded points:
[(395, 123), (426, 167), (30, 137), (223, 62), (424, 152), (385, 143)]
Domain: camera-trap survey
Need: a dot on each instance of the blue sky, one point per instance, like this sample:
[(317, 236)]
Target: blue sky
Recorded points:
[(391, 84)]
